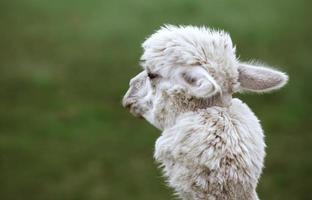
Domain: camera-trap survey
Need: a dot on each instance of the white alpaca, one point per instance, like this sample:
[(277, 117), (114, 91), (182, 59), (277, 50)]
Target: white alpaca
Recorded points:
[(212, 145)]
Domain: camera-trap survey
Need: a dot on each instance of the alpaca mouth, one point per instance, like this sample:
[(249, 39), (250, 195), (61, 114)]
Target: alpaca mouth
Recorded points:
[(133, 109)]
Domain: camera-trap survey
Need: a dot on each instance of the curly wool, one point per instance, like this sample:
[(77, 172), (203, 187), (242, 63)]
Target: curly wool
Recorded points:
[(212, 145), (213, 153)]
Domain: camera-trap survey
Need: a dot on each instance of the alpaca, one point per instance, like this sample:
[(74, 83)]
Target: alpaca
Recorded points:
[(212, 145)]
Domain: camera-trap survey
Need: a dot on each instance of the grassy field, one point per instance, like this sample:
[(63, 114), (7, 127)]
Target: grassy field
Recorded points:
[(64, 66)]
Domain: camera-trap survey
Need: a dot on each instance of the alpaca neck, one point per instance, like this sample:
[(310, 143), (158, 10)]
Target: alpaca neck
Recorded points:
[(173, 108)]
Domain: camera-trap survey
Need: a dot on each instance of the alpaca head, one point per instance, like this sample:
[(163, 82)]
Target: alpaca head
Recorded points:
[(186, 68)]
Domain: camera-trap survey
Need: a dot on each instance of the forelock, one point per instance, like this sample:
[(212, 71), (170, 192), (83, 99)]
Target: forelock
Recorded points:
[(187, 45)]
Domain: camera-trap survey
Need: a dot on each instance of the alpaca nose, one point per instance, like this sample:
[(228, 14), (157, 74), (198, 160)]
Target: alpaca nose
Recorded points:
[(130, 105), (126, 102)]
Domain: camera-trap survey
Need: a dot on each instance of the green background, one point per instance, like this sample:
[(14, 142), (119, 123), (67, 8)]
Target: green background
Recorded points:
[(65, 65)]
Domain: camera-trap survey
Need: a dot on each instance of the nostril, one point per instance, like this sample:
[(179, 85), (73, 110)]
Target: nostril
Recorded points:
[(128, 105)]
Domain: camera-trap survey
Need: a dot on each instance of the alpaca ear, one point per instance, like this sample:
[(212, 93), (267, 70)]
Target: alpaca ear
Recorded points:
[(198, 82), (260, 79)]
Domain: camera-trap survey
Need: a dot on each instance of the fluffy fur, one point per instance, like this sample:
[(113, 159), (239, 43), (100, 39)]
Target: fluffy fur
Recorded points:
[(212, 145)]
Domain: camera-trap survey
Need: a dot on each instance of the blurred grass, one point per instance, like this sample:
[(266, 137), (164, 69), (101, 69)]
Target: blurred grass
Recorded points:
[(64, 66)]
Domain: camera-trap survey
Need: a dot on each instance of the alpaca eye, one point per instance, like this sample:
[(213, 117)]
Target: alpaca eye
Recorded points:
[(152, 76), (189, 79)]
